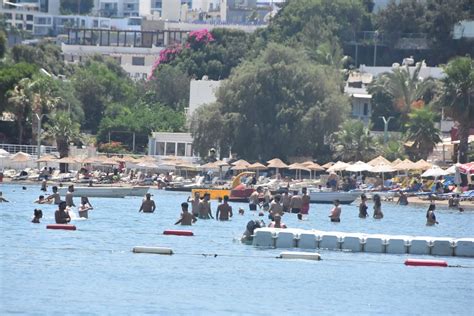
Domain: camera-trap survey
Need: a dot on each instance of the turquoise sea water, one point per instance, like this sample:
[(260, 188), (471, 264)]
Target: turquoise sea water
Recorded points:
[(93, 271)]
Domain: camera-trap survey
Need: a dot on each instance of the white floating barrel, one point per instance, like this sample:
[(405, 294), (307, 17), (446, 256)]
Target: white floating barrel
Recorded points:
[(442, 247), (375, 243), (397, 244), (464, 247), (352, 242), (329, 241), (285, 239), (420, 246), (155, 250), (308, 240), (263, 238), (300, 255)]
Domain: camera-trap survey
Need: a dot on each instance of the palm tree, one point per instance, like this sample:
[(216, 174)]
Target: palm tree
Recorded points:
[(354, 142), (421, 131), (406, 89), (19, 101), (456, 97), (64, 130)]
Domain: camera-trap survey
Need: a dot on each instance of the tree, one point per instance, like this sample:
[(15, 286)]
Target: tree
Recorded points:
[(64, 130), (280, 104), (10, 75), (19, 102), (353, 142), (457, 95), (45, 55), (76, 6), (406, 88), (170, 86), (421, 131), (3, 44)]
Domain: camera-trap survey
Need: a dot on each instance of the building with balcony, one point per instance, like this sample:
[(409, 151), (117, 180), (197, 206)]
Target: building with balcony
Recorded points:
[(171, 144)]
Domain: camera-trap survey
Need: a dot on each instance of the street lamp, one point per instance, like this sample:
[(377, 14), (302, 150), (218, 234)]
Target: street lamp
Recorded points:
[(385, 127), (39, 117)]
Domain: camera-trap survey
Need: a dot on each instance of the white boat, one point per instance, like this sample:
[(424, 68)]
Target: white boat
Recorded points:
[(328, 197), (109, 192), (139, 191)]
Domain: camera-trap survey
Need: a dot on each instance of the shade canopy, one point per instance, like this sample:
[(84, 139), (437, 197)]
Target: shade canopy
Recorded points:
[(379, 161), (406, 164), (20, 157), (47, 158), (276, 163), (4, 153), (298, 166), (338, 166), (467, 168), (381, 168), (148, 164), (257, 166), (214, 165), (434, 171), (313, 166), (359, 167), (396, 162), (241, 162), (422, 165), (452, 169), (328, 165), (68, 160)]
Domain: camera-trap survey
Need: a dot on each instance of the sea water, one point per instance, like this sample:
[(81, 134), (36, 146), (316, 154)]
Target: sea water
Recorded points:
[(93, 271)]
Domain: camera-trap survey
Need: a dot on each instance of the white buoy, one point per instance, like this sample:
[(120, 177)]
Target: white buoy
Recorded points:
[(300, 255), (155, 250), (442, 247), (285, 240), (464, 247)]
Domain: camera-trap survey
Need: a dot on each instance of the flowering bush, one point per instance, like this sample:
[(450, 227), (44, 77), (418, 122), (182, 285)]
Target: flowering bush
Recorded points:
[(113, 147), (196, 39)]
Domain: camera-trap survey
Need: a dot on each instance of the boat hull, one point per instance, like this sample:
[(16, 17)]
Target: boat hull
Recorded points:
[(139, 191), (329, 197), (108, 192)]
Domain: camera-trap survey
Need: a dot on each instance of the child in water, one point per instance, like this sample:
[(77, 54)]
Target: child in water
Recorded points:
[(84, 207), (430, 216), (37, 216), (377, 207)]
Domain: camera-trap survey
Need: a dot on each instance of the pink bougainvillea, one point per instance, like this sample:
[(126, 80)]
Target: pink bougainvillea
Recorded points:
[(195, 40)]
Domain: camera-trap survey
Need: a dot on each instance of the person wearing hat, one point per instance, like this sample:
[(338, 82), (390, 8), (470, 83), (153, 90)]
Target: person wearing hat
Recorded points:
[(148, 205)]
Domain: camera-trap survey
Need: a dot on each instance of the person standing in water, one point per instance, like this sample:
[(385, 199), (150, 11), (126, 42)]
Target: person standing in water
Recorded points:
[(148, 205), (403, 199), (44, 185), (61, 215), (296, 202), (377, 207), (85, 207), (430, 215), (69, 196), (55, 196), (254, 199), (335, 215), (285, 201), (224, 210), (37, 216), (277, 223), (194, 204), (305, 199), (187, 219), (363, 206), (205, 207), (275, 207)]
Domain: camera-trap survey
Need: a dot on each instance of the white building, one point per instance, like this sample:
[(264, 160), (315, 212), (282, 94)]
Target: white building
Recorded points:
[(202, 92), (171, 144), (356, 88)]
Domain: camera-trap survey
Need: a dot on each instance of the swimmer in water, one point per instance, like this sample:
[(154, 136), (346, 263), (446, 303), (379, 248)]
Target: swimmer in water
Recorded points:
[(335, 215), (187, 219), (38, 214), (363, 206), (61, 215), (430, 216), (377, 207), (2, 199), (148, 205), (224, 210)]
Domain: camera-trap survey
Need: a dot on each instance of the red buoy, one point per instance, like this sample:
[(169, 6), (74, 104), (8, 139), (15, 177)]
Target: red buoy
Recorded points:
[(61, 226), (426, 263), (178, 232)]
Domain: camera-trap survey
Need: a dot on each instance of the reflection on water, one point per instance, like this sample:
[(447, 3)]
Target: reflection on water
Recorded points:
[(92, 270)]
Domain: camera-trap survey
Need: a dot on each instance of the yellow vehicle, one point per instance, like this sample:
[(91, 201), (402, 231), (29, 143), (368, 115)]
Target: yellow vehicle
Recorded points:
[(220, 193)]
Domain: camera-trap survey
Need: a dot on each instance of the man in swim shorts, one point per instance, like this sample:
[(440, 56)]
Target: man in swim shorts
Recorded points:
[(296, 203), (187, 219), (305, 199), (148, 205), (205, 207), (224, 210), (254, 199)]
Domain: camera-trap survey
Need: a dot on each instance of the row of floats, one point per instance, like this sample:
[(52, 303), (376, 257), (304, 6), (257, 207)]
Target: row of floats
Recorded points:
[(359, 242)]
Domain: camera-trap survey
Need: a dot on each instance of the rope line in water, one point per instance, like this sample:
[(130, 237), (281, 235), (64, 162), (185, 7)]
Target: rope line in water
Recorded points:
[(215, 255)]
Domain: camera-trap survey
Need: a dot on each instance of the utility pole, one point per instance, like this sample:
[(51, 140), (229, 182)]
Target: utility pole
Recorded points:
[(376, 35), (385, 128)]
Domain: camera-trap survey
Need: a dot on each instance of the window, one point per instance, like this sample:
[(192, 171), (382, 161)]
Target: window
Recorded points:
[(366, 109), (29, 27), (181, 149), (19, 26), (170, 149), (138, 61), (8, 16), (29, 17), (160, 148), (189, 150), (19, 16)]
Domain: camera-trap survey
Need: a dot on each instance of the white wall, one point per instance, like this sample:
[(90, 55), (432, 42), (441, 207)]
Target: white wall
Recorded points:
[(171, 10), (202, 92)]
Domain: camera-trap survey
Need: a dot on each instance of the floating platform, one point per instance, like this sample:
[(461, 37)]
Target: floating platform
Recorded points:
[(359, 242)]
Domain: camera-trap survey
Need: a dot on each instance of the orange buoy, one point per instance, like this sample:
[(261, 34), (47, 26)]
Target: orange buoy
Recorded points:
[(178, 232), (61, 226), (426, 263)]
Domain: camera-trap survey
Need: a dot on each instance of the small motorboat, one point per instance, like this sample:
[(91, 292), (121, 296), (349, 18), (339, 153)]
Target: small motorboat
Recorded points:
[(328, 197), (108, 192)]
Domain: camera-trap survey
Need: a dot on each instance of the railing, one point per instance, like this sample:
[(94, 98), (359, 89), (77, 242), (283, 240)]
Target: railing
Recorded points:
[(29, 149)]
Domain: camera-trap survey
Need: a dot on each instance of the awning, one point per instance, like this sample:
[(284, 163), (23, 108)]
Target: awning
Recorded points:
[(362, 96)]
